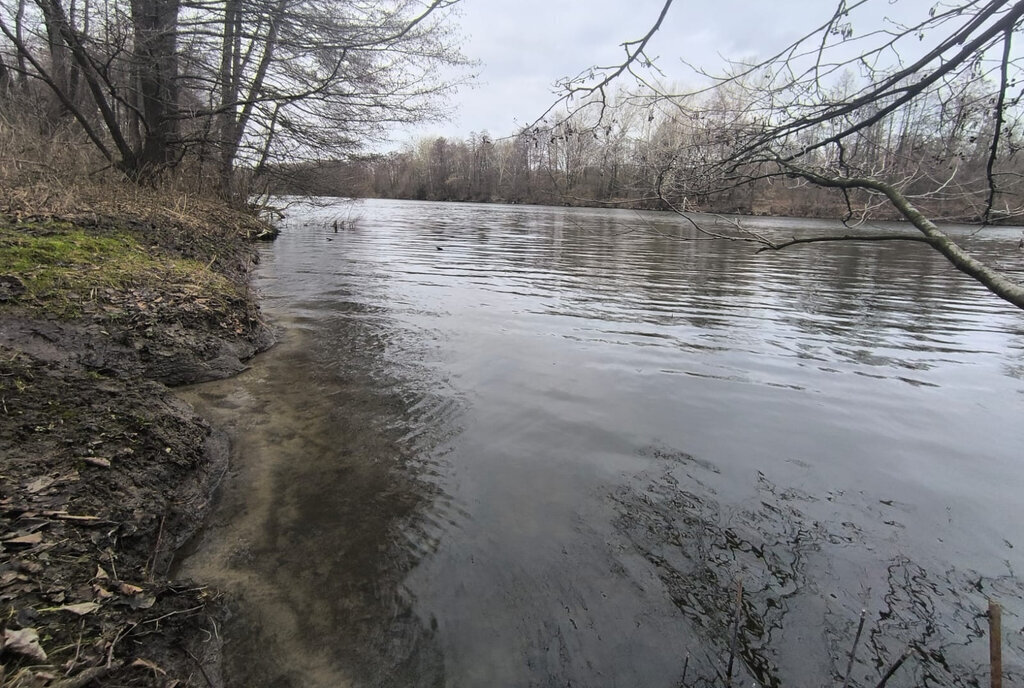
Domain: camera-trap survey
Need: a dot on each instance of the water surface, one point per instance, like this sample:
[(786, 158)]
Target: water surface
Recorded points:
[(524, 446)]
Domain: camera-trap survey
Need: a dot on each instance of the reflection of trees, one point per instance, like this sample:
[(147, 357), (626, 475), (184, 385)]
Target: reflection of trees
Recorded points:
[(651, 271), (799, 615)]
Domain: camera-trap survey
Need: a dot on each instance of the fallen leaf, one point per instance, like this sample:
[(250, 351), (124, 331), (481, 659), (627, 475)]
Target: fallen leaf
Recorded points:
[(55, 596), (101, 574), (141, 601), (25, 540), (32, 567), (39, 484), (129, 589), (97, 461), (80, 609), (24, 642)]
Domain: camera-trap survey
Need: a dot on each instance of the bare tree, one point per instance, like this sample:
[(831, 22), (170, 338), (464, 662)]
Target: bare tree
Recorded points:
[(308, 80), (917, 117), (232, 82)]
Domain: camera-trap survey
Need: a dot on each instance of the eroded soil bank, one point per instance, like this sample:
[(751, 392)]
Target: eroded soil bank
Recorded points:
[(104, 473)]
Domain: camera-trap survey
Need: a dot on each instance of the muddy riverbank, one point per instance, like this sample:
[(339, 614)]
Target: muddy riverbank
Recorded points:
[(104, 472)]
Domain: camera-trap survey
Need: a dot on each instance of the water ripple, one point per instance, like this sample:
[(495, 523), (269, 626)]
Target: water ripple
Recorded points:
[(537, 446)]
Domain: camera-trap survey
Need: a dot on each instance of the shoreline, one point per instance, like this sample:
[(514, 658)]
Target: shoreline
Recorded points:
[(827, 214), (106, 473)]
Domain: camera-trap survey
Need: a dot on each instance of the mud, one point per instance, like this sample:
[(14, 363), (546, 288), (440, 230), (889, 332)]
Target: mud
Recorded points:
[(104, 473)]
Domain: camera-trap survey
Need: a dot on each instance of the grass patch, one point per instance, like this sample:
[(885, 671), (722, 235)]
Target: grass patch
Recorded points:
[(63, 267)]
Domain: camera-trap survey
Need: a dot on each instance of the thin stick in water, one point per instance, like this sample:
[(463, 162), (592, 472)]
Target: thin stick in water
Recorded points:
[(853, 650), (892, 670), (735, 632), (995, 642)]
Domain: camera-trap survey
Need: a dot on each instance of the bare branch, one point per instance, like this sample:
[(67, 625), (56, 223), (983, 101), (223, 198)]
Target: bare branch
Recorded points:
[(999, 118), (848, 238)]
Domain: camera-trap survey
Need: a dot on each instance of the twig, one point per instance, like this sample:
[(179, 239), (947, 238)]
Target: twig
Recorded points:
[(735, 632), (83, 678), (853, 650), (686, 665), (156, 548), (114, 568), (995, 642), (78, 648), (174, 613), (634, 51), (202, 669), (896, 665), (110, 651), (65, 516)]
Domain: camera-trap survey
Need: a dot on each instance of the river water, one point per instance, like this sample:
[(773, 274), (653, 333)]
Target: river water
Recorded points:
[(526, 446)]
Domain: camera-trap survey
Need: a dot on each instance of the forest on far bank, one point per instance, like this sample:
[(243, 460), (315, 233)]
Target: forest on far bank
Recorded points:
[(645, 158)]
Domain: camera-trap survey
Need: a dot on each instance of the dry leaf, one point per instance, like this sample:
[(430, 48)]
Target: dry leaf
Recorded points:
[(24, 642), (39, 484), (97, 461), (80, 609), (8, 577), (141, 601), (32, 567), (25, 540), (129, 589)]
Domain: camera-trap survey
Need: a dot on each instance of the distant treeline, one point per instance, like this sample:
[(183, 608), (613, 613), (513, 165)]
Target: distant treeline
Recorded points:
[(537, 168), (647, 159)]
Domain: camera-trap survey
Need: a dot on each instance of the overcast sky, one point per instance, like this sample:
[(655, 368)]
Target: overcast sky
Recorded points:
[(524, 46)]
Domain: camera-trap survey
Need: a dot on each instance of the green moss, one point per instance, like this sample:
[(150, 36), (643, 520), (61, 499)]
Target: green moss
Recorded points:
[(63, 267)]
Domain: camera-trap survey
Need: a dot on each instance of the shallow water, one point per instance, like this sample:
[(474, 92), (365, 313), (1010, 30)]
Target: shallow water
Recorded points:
[(524, 446)]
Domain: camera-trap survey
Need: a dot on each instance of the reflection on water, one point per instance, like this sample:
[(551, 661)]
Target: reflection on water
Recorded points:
[(531, 446)]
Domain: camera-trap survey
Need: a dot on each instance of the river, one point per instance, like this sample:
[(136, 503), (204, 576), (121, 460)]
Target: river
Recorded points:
[(529, 446)]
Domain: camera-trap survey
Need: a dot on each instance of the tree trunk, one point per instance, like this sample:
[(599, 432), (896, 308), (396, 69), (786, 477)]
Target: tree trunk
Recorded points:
[(155, 24), (5, 78), (60, 62), (229, 79), (240, 118), (19, 20)]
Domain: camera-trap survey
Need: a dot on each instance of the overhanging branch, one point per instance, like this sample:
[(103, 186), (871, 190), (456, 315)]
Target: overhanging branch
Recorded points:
[(779, 245), (994, 280)]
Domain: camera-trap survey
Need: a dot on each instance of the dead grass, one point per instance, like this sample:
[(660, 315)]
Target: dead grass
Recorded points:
[(76, 238), (62, 177)]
